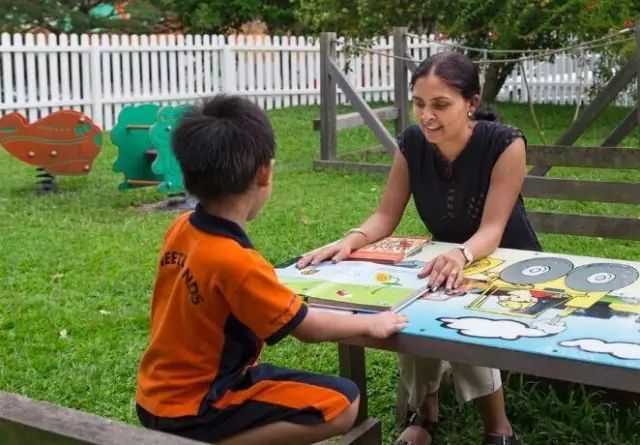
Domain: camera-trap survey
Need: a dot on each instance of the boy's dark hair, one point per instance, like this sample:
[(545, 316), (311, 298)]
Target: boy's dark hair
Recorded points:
[(220, 144)]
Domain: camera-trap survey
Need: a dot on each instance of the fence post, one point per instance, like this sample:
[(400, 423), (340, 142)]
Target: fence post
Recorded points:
[(328, 106), (637, 54), (228, 65), (400, 78), (96, 81)]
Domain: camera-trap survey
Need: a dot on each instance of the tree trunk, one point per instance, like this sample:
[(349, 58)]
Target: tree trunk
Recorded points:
[(495, 76)]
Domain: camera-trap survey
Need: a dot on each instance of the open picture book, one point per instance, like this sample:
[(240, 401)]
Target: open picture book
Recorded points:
[(359, 286)]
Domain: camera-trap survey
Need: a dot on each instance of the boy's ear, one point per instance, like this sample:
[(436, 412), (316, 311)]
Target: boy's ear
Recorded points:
[(263, 176)]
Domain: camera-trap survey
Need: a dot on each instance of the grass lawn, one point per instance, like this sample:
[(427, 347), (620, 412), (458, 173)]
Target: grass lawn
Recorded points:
[(77, 268)]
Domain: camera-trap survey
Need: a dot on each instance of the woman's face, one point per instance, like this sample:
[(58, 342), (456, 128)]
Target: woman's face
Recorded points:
[(440, 110)]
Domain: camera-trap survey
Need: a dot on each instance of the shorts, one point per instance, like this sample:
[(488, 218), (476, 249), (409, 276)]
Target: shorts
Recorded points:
[(266, 394)]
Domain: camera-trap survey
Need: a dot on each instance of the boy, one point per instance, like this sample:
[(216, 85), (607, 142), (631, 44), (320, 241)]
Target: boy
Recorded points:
[(217, 301)]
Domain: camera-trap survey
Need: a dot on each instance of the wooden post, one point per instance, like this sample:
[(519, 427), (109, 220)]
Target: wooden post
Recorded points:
[(352, 366), (369, 117), (637, 54), (625, 127), (400, 78), (328, 106)]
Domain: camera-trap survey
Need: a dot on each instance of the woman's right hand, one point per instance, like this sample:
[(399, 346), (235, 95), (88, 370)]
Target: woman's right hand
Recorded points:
[(337, 252)]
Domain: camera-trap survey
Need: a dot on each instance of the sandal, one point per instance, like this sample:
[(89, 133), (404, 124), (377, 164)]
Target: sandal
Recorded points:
[(494, 439), (420, 421)]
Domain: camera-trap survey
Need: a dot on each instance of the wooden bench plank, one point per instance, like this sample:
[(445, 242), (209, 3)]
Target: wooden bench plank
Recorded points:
[(25, 421), (581, 190), (590, 157), (362, 167), (368, 432), (353, 120), (586, 225)]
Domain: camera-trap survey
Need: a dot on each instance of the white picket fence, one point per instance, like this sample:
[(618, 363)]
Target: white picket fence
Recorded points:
[(100, 74)]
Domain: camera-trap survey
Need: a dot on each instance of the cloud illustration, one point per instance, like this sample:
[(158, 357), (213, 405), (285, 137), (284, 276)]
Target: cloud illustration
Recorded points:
[(625, 351), (489, 328), (550, 327)]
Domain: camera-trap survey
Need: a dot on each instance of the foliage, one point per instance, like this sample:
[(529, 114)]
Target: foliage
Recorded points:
[(612, 57), (366, 18), (75, 16), (487, 24), (533, 24), (214, 16), (199, 16)]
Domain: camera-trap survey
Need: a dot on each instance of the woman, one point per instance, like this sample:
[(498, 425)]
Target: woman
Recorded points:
[(465, 172)]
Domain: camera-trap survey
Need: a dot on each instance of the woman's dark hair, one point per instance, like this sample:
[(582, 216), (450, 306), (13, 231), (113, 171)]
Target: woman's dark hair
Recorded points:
[(459, 72)]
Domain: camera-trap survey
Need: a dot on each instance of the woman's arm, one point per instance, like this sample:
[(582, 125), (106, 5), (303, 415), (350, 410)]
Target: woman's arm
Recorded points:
[(507, 178), (392, 204), (380, 224)]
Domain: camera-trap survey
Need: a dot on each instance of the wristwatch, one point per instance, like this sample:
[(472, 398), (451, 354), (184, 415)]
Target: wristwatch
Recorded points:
[(468, 254)]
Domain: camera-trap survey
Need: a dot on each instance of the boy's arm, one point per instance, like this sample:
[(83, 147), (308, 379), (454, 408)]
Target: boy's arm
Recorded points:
[(318, 326), (273, 311)]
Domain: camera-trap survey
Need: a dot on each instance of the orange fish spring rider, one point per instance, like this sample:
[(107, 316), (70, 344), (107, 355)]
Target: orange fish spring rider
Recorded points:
[(65, 142)]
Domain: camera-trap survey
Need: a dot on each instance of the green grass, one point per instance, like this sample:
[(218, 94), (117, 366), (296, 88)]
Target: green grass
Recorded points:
[(83, 261)]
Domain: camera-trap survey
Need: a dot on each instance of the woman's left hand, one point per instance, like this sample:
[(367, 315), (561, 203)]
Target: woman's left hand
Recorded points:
[(445, 270)]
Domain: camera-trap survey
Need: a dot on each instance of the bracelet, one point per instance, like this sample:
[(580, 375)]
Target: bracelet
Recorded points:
[(356, 230)]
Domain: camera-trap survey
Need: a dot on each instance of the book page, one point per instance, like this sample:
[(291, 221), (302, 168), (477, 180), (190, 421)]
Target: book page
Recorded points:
[(355, 282)]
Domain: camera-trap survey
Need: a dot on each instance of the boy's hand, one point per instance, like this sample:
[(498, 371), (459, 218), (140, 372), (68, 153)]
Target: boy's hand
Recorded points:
[(386, 323)]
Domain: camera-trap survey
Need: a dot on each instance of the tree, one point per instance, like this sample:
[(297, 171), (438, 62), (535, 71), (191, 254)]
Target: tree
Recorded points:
[(531, 24), (219, 16), (366, 18), (76, 16), (488, 24)]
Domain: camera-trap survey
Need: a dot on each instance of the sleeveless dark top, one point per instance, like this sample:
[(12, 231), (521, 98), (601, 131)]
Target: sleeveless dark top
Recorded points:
[(450, 197)]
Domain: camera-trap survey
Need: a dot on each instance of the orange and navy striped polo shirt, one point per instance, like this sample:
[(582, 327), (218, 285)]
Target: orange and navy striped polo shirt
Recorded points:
[(215, 303)]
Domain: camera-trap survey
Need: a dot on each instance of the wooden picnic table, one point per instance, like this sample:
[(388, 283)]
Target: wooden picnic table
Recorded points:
[(579, 321)]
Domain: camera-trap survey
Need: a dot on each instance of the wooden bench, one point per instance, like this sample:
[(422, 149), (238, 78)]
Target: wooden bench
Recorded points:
[(24, 421)]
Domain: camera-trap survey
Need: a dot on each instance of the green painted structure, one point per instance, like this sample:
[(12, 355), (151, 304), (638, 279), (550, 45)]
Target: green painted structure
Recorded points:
[(145, 156)]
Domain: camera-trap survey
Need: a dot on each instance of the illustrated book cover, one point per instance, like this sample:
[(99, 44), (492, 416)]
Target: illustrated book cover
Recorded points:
[(390, 250)]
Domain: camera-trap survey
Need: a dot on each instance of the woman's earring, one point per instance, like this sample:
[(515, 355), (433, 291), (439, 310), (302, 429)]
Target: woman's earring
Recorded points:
[(470, 113)]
